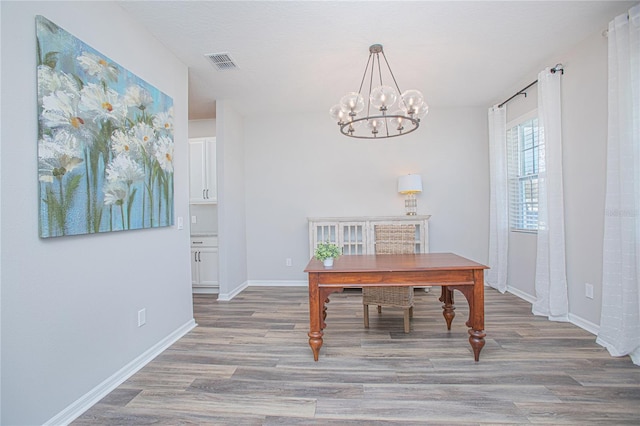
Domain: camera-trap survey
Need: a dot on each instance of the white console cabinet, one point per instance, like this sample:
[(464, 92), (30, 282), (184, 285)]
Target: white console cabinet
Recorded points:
[(356, 235), (202, 171), (204, 264)]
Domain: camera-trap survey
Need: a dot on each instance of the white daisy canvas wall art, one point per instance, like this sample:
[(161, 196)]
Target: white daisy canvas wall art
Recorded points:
[(105, 141)]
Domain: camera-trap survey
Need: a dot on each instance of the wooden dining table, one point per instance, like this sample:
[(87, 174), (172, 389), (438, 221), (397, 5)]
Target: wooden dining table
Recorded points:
[(448, 270)]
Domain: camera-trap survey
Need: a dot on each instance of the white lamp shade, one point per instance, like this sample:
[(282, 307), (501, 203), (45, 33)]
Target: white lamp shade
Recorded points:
[(409, 184)]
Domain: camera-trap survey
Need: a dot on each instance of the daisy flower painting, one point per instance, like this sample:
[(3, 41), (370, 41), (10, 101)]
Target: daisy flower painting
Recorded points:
[(105, 141)]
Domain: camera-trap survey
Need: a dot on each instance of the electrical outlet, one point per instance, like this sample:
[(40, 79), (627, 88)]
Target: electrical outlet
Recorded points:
[(142, 317), (180, 223), (194, 219), (588, 290), (288, 261)]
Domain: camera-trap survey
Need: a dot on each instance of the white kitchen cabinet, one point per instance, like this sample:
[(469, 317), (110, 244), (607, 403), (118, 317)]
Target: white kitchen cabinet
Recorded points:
[(202, 171), (356, 235), (204, 265)]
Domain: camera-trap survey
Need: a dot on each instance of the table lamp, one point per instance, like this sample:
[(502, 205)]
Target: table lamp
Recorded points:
[(410, 185)]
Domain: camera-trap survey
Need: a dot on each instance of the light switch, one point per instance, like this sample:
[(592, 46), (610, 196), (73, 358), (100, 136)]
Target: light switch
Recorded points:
[(180, 222), (142, 317)]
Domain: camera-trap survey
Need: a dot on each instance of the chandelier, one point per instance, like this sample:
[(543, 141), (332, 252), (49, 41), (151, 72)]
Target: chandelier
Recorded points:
[(379, 121)]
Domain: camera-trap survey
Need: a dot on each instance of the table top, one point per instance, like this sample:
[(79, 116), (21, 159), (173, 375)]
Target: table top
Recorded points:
[(394, 263)]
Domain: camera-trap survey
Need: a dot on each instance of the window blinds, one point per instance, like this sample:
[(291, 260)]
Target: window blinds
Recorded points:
[(523, 151)]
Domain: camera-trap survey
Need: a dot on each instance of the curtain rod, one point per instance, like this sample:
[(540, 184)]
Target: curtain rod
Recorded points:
[(605, 33), (558, 68)]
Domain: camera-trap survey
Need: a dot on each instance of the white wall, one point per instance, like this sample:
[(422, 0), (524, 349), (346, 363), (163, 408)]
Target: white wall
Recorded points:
[(307, 168), (230, 154), (206, 217), (584, 132), (202, 128), (69, 304)]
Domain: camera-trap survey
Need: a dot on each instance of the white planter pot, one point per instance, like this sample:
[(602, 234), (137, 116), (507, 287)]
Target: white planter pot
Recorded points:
[(328, 262)]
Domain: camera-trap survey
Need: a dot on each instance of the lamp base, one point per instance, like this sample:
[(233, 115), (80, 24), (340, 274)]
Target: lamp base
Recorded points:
[(411, 205)]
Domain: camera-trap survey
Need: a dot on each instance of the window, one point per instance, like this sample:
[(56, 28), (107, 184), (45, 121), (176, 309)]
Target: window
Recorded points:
[(525, 151)]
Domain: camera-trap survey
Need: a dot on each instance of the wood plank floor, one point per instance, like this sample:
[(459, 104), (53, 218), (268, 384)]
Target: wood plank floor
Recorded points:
[(249, 363)]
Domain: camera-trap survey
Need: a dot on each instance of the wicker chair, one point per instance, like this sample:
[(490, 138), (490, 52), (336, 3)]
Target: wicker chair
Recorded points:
[(391, 239)]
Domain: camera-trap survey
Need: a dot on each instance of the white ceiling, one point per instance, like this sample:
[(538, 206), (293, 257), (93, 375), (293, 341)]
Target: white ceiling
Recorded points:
[(302, 56)]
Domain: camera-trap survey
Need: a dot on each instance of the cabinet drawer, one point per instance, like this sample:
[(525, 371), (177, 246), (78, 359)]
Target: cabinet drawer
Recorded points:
[(204, 241)]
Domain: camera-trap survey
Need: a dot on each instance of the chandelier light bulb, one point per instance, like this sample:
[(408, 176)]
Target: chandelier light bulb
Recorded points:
[(419, 111), (338, 114), (382, 97), (410, 99), (352, 102), (375, 125), (397, 121)]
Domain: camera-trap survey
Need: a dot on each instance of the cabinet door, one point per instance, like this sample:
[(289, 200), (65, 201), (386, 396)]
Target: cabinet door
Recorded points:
[(195, 272), (208, 265), (353, 237), (422, 237), (202, 170), (320, 232), (210, 182), (197, 171), (350, 236)]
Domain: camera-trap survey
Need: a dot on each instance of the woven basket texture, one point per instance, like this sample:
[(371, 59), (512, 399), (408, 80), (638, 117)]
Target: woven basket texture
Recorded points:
[(392, 239)]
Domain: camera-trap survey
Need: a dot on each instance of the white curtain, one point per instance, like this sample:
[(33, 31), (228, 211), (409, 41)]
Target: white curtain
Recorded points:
[(551, 278), (496, 276), (620, 316)]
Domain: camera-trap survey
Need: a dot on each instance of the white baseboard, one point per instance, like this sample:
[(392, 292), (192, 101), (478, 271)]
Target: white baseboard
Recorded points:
[(584, 324), (573, 319), (75, 409), (521, 294), (225, 297), (205, 290), (278, 283)]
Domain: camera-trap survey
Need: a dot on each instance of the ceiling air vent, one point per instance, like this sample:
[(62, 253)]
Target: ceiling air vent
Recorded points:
[(222, 61)]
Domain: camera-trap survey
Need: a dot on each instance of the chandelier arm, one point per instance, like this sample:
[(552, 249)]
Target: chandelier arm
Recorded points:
[(379, 69), (365, 73), (373, 64), (393, 77)]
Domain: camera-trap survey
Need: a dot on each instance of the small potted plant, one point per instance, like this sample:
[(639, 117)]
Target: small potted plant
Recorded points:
[(326, 252)]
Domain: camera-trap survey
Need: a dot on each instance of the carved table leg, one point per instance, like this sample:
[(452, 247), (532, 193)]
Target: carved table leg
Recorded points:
[(315, 341), (324, 313), (476, 338), (448, 308), (316, 316), (475, 297), (476, 317)]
